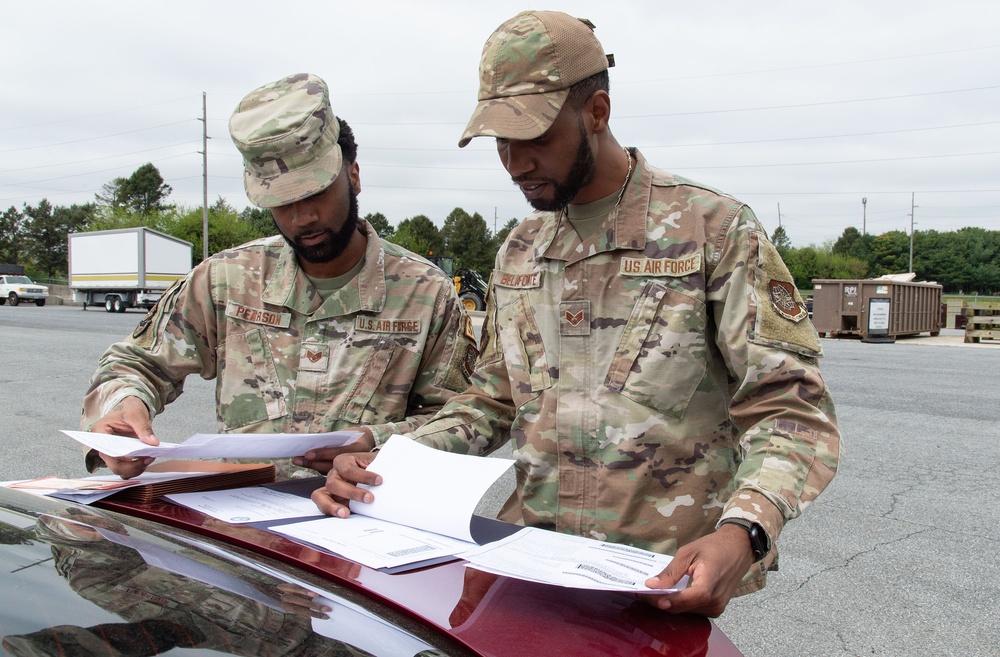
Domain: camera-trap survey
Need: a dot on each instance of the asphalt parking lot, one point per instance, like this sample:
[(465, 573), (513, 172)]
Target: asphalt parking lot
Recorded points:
[(898, 557)]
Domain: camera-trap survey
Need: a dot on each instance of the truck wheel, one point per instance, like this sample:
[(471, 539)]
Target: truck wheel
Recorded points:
[(119, 305), (3, 300), (40, 303), (13, 299), (109, 303), (471, 301)]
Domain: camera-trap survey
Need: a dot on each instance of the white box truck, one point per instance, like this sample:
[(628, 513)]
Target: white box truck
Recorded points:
[(125, 268)]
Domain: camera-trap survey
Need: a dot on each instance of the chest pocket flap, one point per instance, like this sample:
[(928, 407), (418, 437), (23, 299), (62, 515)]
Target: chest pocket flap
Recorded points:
[(660, 359)]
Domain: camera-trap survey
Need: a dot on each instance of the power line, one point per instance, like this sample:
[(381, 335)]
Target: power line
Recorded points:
[(78, 141), (808, 66), (93, 159), (94, 116), (838, 136), (800, 105)]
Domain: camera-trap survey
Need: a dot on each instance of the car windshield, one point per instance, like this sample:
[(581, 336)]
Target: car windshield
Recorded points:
[(18, 279)]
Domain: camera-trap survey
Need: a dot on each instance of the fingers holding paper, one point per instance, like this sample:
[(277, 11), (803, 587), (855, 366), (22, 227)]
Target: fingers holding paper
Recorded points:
[(321, 460), (129, 417), (715, 563), (342, 481)]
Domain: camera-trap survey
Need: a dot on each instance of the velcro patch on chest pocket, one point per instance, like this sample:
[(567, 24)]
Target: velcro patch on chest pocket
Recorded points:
[(370, 375), (522, 344), (661, 356)]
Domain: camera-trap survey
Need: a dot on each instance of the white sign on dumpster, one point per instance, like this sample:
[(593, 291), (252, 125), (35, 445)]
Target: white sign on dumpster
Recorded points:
[(878, 316)]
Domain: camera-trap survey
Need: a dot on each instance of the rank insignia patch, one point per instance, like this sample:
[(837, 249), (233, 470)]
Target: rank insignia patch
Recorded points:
[(782, 296), (574, 317), (314, 357)]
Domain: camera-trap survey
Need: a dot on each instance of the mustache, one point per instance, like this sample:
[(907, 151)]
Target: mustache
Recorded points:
[(517, 180)]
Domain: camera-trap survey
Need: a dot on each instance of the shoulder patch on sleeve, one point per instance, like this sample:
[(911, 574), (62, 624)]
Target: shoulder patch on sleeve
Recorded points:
[(144, 336), (781, 317), (785, 299)]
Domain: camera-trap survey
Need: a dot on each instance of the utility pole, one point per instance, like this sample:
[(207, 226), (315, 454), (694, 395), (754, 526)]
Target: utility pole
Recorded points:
[(779, 215), (912, 207), (864, 214), (204, 169)]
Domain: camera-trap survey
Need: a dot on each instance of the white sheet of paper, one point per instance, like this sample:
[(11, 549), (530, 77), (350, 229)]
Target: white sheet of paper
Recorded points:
[(249, 504), (217, 445), (549, 557), (428, 488), (373, 542), (421, 511)]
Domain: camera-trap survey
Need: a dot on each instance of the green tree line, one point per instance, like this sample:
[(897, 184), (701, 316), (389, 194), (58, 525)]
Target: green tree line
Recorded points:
[(36, 237), (964, 261)]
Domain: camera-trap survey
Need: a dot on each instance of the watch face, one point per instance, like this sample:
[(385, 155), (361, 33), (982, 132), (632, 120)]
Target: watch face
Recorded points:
[(759, 541)]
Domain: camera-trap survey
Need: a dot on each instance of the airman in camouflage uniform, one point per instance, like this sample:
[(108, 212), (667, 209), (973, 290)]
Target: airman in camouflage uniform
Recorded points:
[(655, 368), (298, 338)]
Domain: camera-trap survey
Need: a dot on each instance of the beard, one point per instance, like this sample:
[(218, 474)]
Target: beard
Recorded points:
[(579, 175), (335, 243)]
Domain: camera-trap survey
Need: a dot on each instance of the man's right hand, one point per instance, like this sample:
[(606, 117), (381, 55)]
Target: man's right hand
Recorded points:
[(321, 460), (129, 417), (341, 484)]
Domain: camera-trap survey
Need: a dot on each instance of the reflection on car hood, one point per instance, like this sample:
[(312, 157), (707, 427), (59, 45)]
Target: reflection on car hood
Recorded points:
[(81, 581)]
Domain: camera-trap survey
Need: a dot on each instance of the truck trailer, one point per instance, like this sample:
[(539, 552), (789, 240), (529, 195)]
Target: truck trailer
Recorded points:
[(125, 268)]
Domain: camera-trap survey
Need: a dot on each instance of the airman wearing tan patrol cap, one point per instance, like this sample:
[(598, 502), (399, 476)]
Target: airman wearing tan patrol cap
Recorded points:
[(323, 328), (639, 349)]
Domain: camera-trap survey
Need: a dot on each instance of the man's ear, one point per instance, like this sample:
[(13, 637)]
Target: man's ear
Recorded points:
[(354, 172), (597, 112)]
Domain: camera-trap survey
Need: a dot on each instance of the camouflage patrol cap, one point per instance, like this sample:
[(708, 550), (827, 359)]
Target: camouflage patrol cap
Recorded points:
[(287, 134), (528, 65)]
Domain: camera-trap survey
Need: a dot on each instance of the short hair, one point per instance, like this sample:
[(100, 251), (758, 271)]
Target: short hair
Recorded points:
[(348, 147), (580, 92)]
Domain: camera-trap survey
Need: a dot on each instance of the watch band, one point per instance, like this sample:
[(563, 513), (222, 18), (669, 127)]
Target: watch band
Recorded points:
[(760, 542)]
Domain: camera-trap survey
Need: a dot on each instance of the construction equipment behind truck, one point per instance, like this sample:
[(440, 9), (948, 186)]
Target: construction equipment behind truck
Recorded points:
[(469, 285)]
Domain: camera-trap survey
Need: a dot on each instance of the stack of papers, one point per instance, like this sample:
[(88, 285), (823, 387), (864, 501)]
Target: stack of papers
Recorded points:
[(159, 479), (537, 555), (195, 476), (258, 504), (424, 511)]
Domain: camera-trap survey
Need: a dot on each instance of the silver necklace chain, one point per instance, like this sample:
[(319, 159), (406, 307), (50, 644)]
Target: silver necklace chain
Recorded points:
[(628, 175)]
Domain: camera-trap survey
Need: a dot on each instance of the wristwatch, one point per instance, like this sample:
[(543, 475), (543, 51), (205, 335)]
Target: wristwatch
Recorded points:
[(760, 542)]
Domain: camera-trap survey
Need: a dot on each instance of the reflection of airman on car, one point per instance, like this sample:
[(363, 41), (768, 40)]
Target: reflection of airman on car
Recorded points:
[(167, 597)]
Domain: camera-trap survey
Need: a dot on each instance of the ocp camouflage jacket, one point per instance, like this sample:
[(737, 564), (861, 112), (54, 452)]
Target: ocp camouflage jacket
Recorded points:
[(655, 378), (385, 351)]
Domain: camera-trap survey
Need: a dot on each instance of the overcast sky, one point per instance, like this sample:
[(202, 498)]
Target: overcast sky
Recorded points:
[(802, 109)]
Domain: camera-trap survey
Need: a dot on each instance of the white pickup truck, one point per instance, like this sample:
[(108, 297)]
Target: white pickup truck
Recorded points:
[(21, 288)]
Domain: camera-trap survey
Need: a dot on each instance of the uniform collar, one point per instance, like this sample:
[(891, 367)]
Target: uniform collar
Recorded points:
[(289, 287), (625, 228)]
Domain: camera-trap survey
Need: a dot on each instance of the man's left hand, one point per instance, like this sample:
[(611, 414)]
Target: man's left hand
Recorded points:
[(715, 564)]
